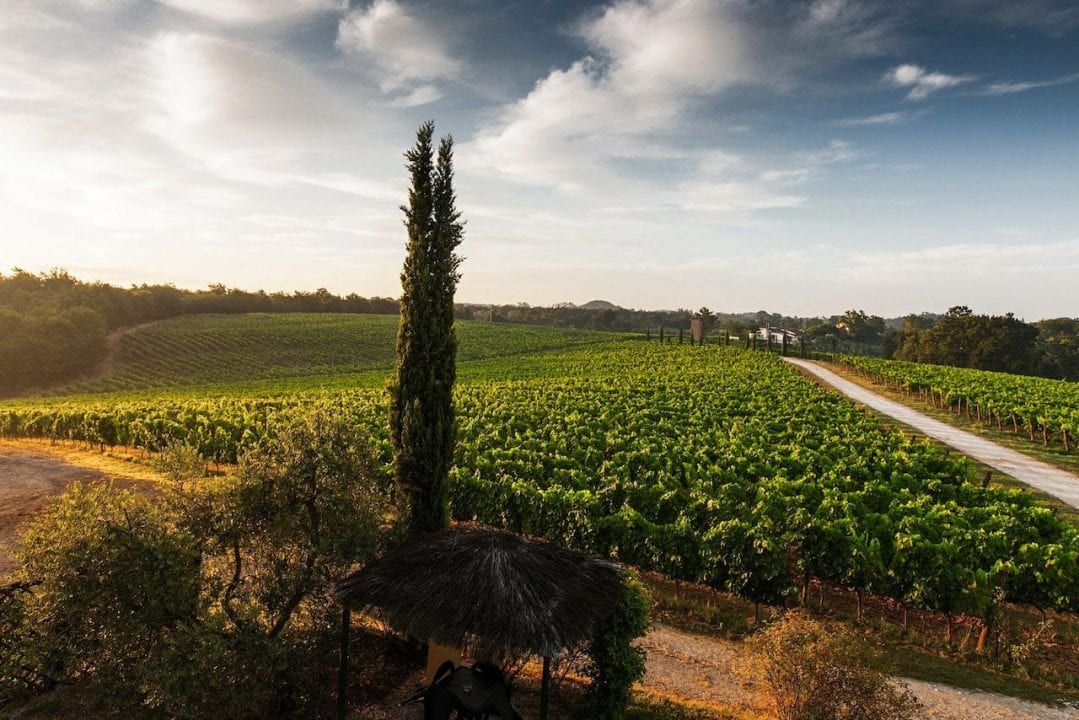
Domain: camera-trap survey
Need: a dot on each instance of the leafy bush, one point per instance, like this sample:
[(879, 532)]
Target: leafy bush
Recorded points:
[(113, 580), (615, 664), (211, 601), (818, 672)]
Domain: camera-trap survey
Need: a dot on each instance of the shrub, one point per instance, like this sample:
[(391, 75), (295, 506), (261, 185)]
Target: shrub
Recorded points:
[(113, 579), (816, 672), (614, 663), (211, 601)]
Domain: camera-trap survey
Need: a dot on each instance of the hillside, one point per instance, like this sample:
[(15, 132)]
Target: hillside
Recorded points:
[(200, 350)]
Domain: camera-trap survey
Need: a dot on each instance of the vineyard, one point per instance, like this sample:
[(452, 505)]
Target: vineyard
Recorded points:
[(199, 350), (711, 464), (1042, 409)]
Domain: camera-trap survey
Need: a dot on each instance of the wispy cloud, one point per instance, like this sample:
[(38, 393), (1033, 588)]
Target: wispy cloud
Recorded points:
[(888, 118), (1006, 88), (254, 12), (404, 48), (240, 111), (921, 82)]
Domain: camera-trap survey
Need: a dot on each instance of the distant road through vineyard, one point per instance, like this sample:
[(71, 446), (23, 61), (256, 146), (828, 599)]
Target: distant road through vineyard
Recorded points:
[(1054, 481)]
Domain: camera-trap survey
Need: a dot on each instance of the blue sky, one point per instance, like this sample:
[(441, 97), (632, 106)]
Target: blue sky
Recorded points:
[(800, 157)]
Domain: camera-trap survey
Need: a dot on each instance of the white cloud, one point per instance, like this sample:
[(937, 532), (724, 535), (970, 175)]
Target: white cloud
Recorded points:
[(423, 95), (253, 12), (675, 47), (1006, 88), (234, 107), (921, 82), (404, 48), (651, 62), (1050, 261), (888, 118)]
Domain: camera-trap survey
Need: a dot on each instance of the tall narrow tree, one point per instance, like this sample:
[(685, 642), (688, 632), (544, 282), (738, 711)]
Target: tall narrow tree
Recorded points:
[(422, 420)]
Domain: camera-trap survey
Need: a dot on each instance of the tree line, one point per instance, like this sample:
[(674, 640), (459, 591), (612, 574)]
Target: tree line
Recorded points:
[(958, 338)]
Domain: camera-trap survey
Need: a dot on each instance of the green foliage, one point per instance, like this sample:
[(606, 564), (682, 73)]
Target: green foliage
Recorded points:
[(422, 424), (614, 663), (40, 348), (203, 350), (211, 601), (962, 339), (53, 327), (709, 464), (1019, 402), (114, 580), (818, 672)]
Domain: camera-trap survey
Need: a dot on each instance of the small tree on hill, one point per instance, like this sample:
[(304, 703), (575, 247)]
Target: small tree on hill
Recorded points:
[(422, 421)]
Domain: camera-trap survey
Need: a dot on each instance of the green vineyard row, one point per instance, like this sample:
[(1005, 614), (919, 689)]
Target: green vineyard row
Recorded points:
[(709, 464), (1039, 407), (196, 350)]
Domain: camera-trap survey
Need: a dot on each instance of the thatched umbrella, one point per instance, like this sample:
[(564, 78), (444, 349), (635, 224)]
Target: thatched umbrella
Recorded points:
[(489, 592)]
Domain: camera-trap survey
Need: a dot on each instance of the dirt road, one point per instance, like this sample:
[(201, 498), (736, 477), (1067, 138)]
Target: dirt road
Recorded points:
[(1059, 483), (27, 480)]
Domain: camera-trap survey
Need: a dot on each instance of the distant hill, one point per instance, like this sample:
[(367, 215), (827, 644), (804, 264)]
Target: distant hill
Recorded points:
[(599, 305)]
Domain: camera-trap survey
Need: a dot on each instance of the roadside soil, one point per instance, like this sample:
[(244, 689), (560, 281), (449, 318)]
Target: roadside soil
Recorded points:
[(710, 670)]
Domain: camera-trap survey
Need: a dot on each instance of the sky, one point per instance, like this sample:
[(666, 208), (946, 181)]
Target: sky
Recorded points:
[(799, 157)]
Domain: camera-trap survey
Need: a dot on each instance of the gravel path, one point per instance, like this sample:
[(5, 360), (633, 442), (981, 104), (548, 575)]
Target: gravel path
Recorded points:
[(1054, 481), (705, 669)]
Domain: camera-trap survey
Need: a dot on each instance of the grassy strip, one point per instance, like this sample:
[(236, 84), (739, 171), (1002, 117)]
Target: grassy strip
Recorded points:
[(918, 664), (697, 609)]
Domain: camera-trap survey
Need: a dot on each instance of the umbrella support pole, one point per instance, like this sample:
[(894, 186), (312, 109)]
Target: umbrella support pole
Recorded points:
[(342, 670), (545, 687)]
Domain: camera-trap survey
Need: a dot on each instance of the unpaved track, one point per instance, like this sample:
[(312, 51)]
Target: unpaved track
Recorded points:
[(1061, 484), (705, 669), (27, 480)]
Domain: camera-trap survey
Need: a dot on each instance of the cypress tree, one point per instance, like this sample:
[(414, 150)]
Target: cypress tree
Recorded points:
[(422, 423)]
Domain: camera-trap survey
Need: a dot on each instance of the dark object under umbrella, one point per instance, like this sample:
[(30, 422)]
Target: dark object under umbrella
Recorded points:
[(489, 592)]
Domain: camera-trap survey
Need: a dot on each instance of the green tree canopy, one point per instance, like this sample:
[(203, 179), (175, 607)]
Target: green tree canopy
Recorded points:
[(422, 420)]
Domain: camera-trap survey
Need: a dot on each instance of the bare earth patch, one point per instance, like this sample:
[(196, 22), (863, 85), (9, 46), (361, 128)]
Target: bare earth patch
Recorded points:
[(27, 480)]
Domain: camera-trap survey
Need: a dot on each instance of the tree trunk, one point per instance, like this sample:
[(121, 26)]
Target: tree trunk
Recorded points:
[(987, 624), (861, 609), (948, 630)]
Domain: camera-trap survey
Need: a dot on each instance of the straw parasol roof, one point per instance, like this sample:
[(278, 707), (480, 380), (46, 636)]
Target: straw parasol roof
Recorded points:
[(487, 591)]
